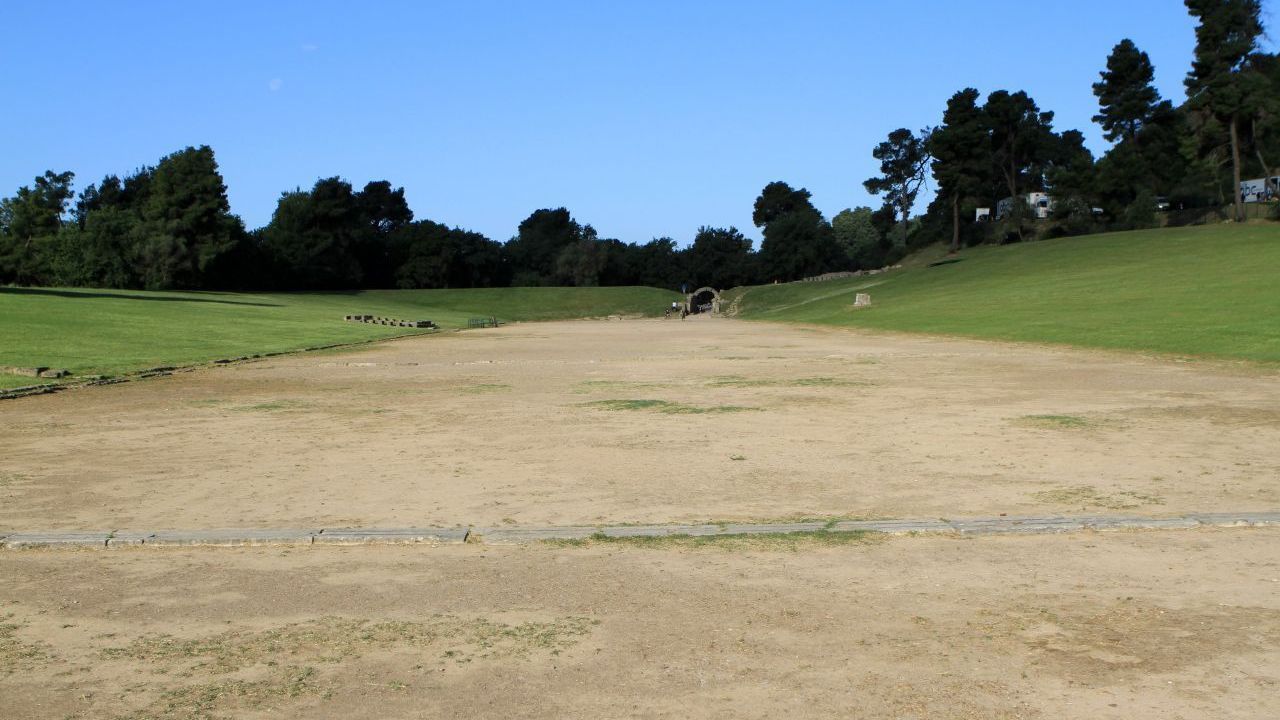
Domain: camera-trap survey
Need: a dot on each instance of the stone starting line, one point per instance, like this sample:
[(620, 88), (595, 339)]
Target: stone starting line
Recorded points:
[(517, 534)]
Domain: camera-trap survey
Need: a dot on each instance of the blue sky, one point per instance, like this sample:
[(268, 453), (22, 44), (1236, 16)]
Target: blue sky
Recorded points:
[(645, 119)]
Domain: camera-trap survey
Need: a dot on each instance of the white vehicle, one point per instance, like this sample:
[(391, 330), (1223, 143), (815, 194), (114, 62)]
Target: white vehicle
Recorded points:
[(982, 215), (1041, 205), (1260, 190)]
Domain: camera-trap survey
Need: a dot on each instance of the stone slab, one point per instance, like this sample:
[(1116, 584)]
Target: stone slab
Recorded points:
[(356, 536), (991, 525), (895, 527), (765, 529), (1140, 523), (233, 537), (1049, 524), (510, 535), (624, 531), (1237, 519), (121, 538), (56, 539)]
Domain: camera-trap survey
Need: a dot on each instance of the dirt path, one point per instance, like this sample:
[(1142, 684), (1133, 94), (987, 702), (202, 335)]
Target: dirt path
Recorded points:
[(1080, 626), (644, 421)]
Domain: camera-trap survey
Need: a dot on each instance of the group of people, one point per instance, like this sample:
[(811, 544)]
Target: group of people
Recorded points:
[(674, 306)]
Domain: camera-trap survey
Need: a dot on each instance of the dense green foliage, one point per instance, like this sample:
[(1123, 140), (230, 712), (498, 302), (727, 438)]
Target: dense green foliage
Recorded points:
[(798, 241), (1205, 291), (110, 332), (1164, 157), (904, 165)]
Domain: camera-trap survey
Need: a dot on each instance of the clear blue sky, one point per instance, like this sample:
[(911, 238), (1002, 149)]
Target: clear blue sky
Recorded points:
[(645, 119)]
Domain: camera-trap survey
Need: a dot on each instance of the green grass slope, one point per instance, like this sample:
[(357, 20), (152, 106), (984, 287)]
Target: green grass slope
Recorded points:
[(109, 332), (1205, 291)]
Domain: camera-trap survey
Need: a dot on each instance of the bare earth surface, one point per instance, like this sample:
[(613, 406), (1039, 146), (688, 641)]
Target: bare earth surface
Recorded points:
[(648, 421), (1166, 625), (534, 424)]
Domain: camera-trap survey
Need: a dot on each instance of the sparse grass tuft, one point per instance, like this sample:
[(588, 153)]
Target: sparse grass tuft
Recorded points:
[(205, 701), (1086, 496), (589, 385), (15, 654), (336, 639), (669, 408), (1066, 422), (740, 381), (234, 655), (484, 388), (273, 406)]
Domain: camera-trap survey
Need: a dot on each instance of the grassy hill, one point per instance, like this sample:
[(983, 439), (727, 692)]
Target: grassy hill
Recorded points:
[(109, 332), (1203, 291)]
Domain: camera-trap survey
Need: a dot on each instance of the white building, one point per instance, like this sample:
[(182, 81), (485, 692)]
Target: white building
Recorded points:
[(1040, 203)]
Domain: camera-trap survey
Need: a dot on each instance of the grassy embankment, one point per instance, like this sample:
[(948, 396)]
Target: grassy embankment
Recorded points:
[(1203, 291), (109, 332)]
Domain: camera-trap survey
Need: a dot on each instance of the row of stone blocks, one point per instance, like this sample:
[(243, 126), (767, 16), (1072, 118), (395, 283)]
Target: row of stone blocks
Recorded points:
[(375, 320), (36, 372), (507, 535)]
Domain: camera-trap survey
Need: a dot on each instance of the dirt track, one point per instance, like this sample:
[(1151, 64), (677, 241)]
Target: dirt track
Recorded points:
[(649, 421), (530, 424), (1144, 625)]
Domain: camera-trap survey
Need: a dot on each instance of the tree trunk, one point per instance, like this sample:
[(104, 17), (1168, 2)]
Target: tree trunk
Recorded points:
[(1016, 208), (1267, 171), (1235, 168), (955, 224), (906, 222)]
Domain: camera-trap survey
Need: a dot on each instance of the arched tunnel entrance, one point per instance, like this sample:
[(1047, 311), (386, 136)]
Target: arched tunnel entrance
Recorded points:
[(703, 300)]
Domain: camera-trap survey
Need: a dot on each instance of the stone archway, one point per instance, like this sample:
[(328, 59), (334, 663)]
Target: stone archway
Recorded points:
[(702, 297)]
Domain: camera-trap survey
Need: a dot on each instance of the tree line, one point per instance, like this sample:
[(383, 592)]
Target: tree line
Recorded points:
[(169, 226), (1163, 156)]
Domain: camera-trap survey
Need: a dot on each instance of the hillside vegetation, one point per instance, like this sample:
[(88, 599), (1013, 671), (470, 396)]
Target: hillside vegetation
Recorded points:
[(1204, 291), (114, 331)]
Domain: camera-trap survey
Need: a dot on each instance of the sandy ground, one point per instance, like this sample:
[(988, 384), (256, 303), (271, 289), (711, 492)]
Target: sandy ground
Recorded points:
[(522, 425), (1123, 625)]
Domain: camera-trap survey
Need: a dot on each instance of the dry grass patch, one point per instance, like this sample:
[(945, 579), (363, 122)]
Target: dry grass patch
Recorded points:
[(1128, 638), (1059, 422), (484, 388), (1087, 496), (665, 407), (587, 386), (740, 381), (230, 673), (16, 654), (334, 639)]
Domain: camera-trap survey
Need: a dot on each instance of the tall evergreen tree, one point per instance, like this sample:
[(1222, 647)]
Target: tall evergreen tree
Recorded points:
[(961, 155), (538, 243), (720, 258), (1021, 142), (29, 224), (383, 210), (856, 233), (1127, 100), (186, 221), (313, 235), (797, 239), (904, 165), (1219, 83)]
